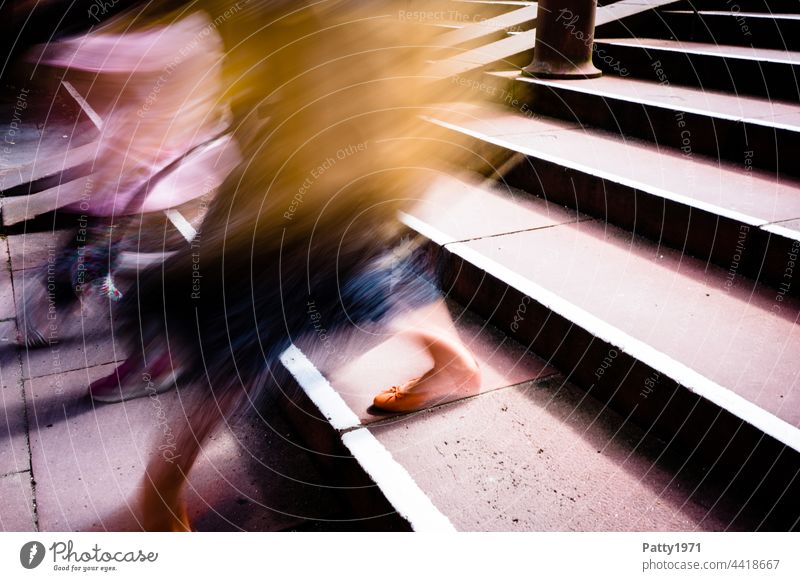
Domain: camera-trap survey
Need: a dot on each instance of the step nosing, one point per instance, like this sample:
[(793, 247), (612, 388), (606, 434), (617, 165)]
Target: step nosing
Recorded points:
[(670, 106), (613, 177), (650, 356), (392, 479), (777, 229), (738, 14), (692, 48)]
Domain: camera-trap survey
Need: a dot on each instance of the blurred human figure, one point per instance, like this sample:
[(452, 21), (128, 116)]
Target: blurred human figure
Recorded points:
[(154, 91), (328, 99)]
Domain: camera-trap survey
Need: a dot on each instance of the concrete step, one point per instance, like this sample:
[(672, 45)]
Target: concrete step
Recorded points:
[(664, 339), (766, 6), (636, 18), (333, 411), (743, 219), (544, 457), (486, 9), (696, 121), (516, 50), (530, 451), (778, 30), (770, 73), (47, 140), (478, 29)]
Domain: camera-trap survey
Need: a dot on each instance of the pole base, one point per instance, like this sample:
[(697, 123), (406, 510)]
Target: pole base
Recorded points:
[(541, 70)]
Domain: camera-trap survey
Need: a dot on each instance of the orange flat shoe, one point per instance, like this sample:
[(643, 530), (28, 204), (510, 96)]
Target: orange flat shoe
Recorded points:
[(399, 398), (415, 394), (455, 375)]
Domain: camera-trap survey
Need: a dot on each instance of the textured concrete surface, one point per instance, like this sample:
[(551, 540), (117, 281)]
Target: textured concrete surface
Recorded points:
[(502, 363), (731, 333), (6, 287), (16, 492), (460, 209), (735, 186), (90, 460), (30, 249), (545, 457), (14, 450)]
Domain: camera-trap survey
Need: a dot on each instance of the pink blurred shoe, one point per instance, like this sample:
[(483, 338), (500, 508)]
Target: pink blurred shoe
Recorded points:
[(130, 381)]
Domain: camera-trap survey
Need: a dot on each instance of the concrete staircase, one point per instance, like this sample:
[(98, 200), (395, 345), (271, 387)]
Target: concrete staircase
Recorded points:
[(643, 241), (626, 280)]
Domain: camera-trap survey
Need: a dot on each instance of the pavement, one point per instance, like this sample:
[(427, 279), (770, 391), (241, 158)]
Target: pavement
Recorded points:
[(67, 464)]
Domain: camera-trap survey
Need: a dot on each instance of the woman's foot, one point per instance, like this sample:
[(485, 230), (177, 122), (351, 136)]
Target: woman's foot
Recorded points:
[(455, 375), (130, 381)]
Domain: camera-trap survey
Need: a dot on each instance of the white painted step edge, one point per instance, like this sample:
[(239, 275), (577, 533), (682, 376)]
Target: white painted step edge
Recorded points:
[(393, 480), (622, 180), (695, 382)]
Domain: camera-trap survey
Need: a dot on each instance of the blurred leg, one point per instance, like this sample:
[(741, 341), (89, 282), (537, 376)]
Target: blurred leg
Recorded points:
[(455, 373)]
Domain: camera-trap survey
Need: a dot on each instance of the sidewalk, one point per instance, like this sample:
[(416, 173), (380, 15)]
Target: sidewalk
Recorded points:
[(68, 464)]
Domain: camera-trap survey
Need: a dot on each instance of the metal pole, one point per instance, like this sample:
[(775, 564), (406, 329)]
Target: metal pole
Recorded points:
[(564, 40)]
